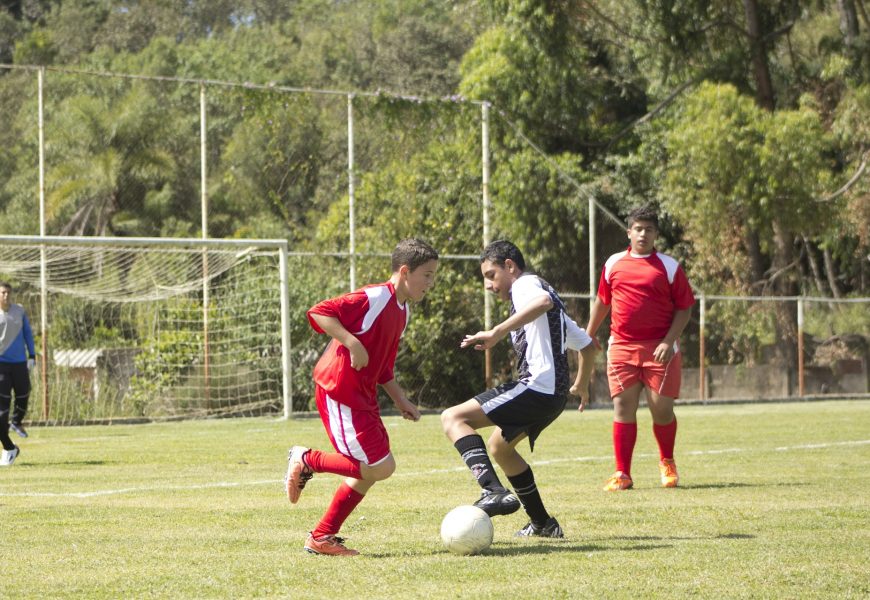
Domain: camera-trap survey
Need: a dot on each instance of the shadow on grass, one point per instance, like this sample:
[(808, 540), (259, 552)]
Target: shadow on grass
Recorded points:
[(683, 538), (70, 463), (728, 485), (526, 549)]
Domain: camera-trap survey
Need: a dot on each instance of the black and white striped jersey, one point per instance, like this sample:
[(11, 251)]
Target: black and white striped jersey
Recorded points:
[(542, 345)]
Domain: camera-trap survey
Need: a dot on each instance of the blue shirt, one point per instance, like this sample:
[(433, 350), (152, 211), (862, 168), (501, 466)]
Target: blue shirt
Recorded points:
[(16, 337)]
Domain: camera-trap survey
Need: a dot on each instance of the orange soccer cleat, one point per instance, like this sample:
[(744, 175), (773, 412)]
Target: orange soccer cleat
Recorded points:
[(298, 473), (668, 469), (618, 481), (328, 544)]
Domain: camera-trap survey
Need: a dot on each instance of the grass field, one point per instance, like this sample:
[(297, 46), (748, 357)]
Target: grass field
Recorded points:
[(773, 503)]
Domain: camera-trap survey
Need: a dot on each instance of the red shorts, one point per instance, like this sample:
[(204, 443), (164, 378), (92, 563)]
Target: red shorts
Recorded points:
[(630, 362), (358, 434)]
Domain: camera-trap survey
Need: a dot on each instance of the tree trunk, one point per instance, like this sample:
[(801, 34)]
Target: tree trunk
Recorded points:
[(756, 261), (848, 21), (758, 48), (813, 259), (784, 285), (831, 270)]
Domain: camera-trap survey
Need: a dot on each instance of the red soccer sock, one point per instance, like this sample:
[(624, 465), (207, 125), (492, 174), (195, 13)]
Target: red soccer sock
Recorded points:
[(332, 462), (624, 437), (666, 435), (343, 503)]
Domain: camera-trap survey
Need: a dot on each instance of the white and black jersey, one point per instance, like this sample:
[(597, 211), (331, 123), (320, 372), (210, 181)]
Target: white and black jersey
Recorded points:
[(542, 345)]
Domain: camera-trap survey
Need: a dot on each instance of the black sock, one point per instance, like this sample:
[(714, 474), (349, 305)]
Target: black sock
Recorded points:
[(473, 451), (5, 440), (526, 490)]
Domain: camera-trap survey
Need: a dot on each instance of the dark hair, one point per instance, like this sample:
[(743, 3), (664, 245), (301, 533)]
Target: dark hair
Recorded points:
[(412, 252), (500, 250), (7, 285), (643, 213)]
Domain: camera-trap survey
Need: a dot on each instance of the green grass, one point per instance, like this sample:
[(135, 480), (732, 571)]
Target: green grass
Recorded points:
[(774, 503)]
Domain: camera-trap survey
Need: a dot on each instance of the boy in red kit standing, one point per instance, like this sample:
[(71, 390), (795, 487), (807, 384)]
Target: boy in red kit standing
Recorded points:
[(365, 326), (651, 301)]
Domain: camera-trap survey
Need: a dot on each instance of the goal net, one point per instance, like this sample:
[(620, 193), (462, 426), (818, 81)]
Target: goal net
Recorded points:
[(151, 328)]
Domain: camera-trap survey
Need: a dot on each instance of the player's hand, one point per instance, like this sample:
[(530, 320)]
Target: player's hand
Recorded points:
[(31, 362), (579, 389), (359, 356), (408, 409), (663, 353), (482, 340)]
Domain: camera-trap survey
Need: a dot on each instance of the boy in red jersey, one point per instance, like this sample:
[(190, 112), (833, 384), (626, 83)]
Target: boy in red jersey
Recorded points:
[(365, 326), (651, 302)]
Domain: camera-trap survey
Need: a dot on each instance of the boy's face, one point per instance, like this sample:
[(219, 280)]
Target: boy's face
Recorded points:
[(498, 279), (642, 236), (5, 298), (418, 281)]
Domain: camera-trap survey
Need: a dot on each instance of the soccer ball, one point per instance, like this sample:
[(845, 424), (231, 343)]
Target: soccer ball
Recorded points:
[(466, 530)]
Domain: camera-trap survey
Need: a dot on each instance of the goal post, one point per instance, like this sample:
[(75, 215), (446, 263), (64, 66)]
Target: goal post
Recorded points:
[(154, 327)]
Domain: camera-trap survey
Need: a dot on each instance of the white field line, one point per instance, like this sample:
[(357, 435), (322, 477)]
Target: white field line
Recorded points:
[(229, 484)]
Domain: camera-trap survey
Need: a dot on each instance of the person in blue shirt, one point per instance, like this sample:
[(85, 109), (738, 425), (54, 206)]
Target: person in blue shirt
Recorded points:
[(17, 358)]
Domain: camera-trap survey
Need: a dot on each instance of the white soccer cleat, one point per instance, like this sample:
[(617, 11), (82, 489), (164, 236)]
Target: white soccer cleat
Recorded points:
[(8, 457)]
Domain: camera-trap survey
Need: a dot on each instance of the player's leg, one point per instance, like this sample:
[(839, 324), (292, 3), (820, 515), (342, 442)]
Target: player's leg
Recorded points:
[(663, 381), (21, 387), (323, 538), (623, 378), (10, 450), (460, 424), (624, 434), (665, 432), (521, 477)]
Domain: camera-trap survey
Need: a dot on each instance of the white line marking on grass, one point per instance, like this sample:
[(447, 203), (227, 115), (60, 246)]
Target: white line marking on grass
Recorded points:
[(229, 484)]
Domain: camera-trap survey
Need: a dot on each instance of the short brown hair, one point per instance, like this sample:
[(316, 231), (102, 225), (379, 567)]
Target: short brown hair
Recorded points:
[(412, 252), (643, 213)]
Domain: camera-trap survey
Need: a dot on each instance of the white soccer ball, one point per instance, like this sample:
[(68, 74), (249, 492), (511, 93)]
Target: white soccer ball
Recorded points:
[(466, 530)]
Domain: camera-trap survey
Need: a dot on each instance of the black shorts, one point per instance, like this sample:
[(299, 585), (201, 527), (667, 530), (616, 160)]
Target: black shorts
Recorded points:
[(516, 409), (13, 376)]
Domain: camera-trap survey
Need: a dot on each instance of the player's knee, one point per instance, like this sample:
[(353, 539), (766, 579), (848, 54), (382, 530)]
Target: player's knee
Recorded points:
[(380, 471), (448, 419)]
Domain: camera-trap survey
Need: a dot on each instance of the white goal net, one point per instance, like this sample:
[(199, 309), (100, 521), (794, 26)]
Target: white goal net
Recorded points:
[(152, 328)]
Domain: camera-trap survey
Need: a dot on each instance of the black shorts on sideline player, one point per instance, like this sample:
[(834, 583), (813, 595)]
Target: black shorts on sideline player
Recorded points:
[(517, 409)]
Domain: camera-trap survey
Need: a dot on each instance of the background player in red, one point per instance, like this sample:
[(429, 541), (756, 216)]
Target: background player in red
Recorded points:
[(365, 326), (650, 301)]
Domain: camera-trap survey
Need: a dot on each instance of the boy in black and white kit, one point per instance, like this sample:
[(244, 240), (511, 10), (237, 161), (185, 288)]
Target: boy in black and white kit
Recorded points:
[(541, 334)]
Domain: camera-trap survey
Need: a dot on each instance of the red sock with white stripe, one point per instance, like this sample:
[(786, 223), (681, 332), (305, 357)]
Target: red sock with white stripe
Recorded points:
[(624, 438), (343, 502), (666, 436), (332, 462)]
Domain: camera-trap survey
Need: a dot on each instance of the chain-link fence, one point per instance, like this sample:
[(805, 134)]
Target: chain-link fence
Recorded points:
[(340, 175)]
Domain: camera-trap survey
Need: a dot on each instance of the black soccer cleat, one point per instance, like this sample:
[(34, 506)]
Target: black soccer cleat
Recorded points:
[(19, 429), (498, 503), (550, 529)]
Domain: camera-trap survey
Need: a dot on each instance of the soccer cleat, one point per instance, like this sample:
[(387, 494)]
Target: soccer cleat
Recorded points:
[(550, 529), (328, 544), (498, 503), (618, 481), (8, 456), (19, 429), (298, 473), (668, 469)]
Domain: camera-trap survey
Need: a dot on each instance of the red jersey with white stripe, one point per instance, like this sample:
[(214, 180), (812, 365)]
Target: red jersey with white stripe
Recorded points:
[(643, 291), (372, 314)]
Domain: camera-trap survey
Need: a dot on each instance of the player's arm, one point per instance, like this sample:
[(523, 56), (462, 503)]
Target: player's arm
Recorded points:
[(665, 350), (27, 332), (408, 409), (586, 357), (359, 356), (596, 316), (484, 340)]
